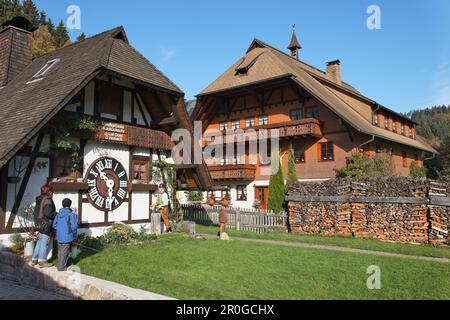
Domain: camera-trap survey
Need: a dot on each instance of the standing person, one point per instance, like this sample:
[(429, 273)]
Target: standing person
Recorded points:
[(44, 213), (162, 204), (66, 225)]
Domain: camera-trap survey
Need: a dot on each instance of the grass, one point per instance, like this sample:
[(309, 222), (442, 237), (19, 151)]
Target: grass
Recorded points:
[(341, 241), (183, 267)]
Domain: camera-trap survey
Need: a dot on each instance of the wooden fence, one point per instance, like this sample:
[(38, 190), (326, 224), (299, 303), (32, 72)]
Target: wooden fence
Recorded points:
[(245, 219)]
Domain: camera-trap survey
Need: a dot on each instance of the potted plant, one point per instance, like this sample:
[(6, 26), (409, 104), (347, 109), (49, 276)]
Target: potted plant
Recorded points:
[(256, 204), (26, 221)]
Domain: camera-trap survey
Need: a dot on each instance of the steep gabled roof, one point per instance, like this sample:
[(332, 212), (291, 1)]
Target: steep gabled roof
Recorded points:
[(25, 107), (272, 63)]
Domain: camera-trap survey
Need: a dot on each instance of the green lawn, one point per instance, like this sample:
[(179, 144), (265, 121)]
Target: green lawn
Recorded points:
[(341, 241), (183, 267)]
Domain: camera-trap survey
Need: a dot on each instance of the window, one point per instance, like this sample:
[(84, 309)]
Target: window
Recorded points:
[(236, 158), (403, 130), (299, 154), (312, 112), (42, 72), (296, 114), (326, 151), (394, 125), (375, 118), (386, 122), (225, 193), (210, 194), (63, 166), (241, 193), (404, 159), (263, 120), (235, 124), (249, 122), (140, 170), (223, 126), (109, 97)]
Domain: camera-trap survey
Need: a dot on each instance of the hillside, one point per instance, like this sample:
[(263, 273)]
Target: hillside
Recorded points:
[(433, 123)]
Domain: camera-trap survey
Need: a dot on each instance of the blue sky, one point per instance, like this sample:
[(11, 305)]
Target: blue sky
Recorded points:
[(405, 65)]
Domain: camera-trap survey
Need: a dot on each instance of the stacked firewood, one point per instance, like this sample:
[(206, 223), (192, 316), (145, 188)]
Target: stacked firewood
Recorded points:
[(439, 215)]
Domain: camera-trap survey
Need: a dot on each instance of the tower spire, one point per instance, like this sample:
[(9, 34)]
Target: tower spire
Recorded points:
[(294, 45)]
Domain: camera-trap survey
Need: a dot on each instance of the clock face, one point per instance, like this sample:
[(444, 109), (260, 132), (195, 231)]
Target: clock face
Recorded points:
[(107, 184)]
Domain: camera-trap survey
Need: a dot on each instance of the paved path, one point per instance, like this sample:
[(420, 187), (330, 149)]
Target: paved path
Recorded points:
[(10, 290), (333, 248)]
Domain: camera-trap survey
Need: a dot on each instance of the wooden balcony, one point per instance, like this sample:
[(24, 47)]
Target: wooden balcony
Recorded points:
[(233, 172), (310, 127)]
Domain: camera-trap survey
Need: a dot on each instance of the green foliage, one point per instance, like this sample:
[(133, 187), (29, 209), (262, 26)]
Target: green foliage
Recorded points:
[(118, 234), (61, 36), (195, 196), (417, 171), (292, 172), (277, 188), (81, 37), (47, 39), (17, 243), (432, 123), (361, 166)]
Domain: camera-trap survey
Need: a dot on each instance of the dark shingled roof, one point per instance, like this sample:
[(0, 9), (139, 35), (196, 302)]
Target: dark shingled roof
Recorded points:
[(25, 108)]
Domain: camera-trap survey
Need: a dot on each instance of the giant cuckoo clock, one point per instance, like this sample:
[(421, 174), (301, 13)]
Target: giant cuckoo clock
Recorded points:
[(107, 184)]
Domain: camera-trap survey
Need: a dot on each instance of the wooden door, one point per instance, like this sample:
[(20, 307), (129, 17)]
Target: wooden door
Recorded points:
[(262, 194)]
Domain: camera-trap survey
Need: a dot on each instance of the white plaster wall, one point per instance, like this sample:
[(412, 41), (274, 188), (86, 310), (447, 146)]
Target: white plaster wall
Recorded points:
[(37, 180), (89, 92), (59, 196), (141, 205), (120, 214), (91, 214), (137, 114)]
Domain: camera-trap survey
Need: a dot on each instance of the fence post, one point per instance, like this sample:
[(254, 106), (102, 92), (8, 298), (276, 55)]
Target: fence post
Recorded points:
[(238, 220)]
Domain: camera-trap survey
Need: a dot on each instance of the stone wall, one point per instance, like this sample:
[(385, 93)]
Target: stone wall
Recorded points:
[(71, 284), (392, 208)]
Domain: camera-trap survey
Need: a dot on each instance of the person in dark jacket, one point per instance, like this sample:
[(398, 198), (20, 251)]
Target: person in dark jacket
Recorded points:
[(45, 212), (66, 225)]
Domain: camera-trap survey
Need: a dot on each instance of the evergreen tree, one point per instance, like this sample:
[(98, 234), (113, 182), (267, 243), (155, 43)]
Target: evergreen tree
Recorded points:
[(292, 172), (9, 9), (61, 36), (31, 12), (42, 18), (50, 26), (42, 42), (277, 188), (81, 37)]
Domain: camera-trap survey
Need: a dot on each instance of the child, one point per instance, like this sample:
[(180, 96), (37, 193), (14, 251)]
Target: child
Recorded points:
[(66, 226)]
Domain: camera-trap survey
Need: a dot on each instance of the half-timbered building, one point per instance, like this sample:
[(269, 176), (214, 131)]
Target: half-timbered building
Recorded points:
[(324, 118), (89, 118)]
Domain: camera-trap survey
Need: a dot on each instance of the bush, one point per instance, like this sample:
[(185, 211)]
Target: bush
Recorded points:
[(121, 233), (416, 171), (18, 243), (277, 188), (360, 166), (194, 196)]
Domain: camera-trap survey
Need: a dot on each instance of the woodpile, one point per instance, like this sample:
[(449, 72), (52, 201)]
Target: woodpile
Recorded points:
[(376, 214)]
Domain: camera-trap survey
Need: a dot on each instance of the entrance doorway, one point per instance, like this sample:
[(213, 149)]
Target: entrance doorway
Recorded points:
[(262, 194)]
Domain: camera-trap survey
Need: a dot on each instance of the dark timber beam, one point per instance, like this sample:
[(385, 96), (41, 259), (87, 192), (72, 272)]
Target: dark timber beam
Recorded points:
[(25, 180)]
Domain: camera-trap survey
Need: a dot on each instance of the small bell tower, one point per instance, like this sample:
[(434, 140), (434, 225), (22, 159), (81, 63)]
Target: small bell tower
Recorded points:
[(294, 45)]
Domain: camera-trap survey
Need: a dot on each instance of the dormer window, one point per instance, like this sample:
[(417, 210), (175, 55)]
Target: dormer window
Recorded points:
[(45, 69)]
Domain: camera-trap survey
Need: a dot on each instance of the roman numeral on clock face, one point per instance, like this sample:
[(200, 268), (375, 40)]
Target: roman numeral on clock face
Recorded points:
[(120, 175), (123, 184), (100, 166), (92, 183), (93, 194), (100, 201), (121, 193), (108, 163)]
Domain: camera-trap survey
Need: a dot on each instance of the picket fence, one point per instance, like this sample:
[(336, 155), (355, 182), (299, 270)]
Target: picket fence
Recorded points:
[(245, 219)]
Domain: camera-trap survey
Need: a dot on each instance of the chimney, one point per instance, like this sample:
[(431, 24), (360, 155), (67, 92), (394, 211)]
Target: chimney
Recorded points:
[(334, 71), (15, 48)]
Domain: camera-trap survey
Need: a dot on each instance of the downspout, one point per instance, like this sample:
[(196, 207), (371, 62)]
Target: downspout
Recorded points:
[(430, 158), (367, 142)]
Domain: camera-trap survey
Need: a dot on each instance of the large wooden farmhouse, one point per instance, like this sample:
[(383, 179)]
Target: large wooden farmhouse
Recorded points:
[(90, 119), (323, 117)]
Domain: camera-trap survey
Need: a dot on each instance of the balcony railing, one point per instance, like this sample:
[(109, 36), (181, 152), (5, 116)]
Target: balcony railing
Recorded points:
[(233, 172)]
